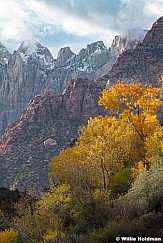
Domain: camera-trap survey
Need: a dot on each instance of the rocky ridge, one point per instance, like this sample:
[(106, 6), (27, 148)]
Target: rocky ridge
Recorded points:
[(31, 70), (119, 45), (48, 124), (144, 63)]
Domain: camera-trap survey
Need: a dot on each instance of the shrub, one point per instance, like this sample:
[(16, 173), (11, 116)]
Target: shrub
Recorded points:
[(148, 187), (121, 182)]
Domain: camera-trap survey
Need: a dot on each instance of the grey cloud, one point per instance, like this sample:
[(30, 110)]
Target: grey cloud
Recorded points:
[(114, 14)]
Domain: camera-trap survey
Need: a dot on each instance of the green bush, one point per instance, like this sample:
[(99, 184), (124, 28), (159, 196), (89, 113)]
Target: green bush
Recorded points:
[(115, 229), (148, 186), (121, 182)]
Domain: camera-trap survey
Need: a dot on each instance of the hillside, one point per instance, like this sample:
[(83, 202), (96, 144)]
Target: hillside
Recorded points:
[(143, 64), (48, 124), (31, 70), (106, 173)]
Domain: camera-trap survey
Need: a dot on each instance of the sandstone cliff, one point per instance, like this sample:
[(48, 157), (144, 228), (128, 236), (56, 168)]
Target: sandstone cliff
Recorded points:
[(48, 124), (119, 45), (144, 63), (32, 70)]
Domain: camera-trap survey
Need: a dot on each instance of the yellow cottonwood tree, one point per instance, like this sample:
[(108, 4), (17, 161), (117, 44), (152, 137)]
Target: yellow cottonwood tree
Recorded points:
[(134, 97), (104, 147), (108, 144), (136, 104)]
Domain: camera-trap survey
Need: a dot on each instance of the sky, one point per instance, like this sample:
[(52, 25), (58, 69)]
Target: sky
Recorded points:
[(75, 23)]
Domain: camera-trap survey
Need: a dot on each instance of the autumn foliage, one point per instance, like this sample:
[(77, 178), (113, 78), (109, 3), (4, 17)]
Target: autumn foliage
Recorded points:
[(130, 137), (102, 186), (134, 97), (136, 105), (8, 236)]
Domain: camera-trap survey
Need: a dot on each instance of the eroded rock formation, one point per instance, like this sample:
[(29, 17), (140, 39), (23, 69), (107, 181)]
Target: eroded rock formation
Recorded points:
[(48, 124)]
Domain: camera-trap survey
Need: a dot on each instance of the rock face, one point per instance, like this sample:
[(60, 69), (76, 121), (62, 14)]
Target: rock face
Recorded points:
[(4, 54), (119, 45), (24, 76), (32, 70), (144, 63), (154, 37), (48, 124), (50, 143)]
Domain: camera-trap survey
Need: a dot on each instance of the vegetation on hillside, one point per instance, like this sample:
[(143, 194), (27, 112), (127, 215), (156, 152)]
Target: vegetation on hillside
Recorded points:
[(109, 183)]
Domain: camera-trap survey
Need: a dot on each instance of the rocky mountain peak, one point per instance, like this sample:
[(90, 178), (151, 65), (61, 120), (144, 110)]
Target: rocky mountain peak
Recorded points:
[(142, 64), (64, 54), (120, 44), (127, 41), (160, 19), (93, 49), (4, 54), (97, 47), (154, 37), (31, 48), (31, 70)]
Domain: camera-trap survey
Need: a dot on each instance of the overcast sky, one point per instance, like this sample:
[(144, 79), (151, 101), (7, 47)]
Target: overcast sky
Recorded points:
[(74, 23)]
